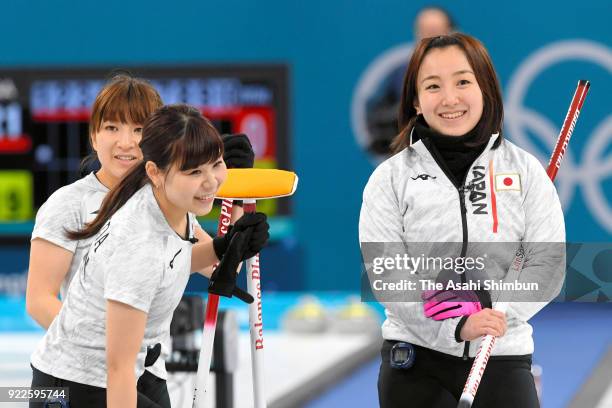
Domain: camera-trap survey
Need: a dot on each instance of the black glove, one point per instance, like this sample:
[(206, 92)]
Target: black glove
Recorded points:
[(257, 238), (238, 151), (223, 280)]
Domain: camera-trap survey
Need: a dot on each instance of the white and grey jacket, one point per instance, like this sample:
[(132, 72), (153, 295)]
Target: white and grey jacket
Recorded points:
[(507, 197)]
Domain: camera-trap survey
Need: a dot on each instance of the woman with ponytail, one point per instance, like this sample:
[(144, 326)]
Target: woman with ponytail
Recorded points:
[(142, 252), (115, 129)]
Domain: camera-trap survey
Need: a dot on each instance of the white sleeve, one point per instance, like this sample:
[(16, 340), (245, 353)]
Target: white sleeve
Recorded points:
[(381, 230), (61, 212), (543, 243), (380, 219), (133, 273)]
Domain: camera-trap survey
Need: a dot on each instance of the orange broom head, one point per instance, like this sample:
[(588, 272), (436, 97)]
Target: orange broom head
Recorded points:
[(257, 184)]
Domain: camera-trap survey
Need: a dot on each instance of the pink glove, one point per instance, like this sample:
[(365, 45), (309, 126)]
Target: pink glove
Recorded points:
[(444, 304)]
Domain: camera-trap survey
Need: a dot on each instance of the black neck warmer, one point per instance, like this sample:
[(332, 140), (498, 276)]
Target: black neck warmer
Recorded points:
[(454, 154)]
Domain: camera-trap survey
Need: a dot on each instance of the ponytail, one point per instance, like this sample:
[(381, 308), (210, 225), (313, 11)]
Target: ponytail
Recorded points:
[(114, 200)]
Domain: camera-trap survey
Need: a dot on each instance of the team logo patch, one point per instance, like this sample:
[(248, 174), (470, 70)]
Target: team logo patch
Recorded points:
[(508, 181), (423, 177)]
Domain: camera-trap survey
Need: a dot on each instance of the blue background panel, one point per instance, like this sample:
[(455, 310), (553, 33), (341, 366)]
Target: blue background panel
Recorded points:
[(328, 47)]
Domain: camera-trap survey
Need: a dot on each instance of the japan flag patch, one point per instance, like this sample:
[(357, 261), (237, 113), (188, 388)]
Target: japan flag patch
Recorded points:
[(507, 182)]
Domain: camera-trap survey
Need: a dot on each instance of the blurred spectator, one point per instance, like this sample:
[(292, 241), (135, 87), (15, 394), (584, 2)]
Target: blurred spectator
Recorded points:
[(382, 108), (432, 21)]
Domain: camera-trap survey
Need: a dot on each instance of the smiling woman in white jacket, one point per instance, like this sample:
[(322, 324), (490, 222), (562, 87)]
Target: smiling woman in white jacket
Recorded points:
[(455, 179)]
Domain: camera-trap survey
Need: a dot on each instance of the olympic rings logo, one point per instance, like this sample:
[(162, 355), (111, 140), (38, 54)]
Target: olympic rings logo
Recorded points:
[(592, 169)]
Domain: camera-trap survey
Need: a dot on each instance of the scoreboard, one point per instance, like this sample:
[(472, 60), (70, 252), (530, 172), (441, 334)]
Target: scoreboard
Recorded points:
[(44, 116)]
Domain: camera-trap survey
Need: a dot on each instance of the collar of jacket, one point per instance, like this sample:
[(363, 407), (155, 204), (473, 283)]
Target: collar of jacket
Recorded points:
[(420, 149)]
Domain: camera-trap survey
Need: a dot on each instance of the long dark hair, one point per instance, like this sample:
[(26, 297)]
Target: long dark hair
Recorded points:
[(173, 135), (123, 99), (492, 117)]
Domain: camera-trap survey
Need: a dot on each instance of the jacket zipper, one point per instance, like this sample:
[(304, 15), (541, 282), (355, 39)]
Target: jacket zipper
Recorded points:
[(463, 209), (461, 190)]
